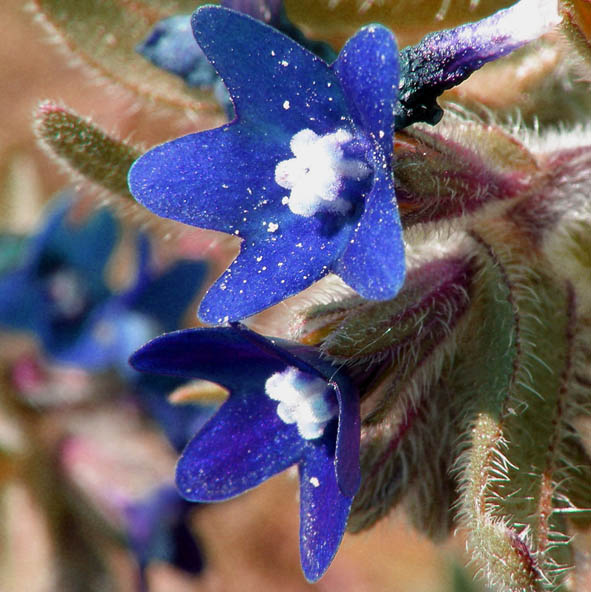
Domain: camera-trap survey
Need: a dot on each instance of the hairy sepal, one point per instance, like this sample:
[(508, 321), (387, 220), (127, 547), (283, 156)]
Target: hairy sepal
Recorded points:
[(400, 352), (84, 149), (518, 367), (458, 168)]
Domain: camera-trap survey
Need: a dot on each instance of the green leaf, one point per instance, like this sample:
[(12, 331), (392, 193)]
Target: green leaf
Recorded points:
[(85, 148), (103, 35)]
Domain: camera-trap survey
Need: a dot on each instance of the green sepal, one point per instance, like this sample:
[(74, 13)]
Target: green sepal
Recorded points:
[(84, 148), (517, 368)]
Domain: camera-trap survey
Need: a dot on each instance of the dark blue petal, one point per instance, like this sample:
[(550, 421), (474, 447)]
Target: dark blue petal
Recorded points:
[(166, 298), (53, 219), (106, 338), (243, 445), (368, 70), (143, 274), (85, 247), (268, 11), (179, 422), (213, 179), (22, 305), (185, 553), (373, 263), (263, 69), (323, 510), (158, 530), (223, 355), (163, 298), (172, 47), (347, 467), (274, 266)]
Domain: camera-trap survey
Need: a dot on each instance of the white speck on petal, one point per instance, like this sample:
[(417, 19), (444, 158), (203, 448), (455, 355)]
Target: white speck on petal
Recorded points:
[(284, 63), (381, 133), (286, 105), (272, 227), (314, 481), (272, 53)]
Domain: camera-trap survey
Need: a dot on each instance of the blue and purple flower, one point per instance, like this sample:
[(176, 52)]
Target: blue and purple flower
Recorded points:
[(286, 406)]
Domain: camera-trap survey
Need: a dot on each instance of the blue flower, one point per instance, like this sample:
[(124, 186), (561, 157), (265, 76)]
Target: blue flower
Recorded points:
[(302, 174), (158, 529), (286, 406), (58, 293)]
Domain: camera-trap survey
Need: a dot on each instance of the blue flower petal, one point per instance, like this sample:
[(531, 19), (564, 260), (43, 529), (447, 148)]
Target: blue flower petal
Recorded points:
[(172, 47), (166, 298), (323, 511), (143, 274), (53, 220), (163, 298), (347, 467), (212, 179), (105, 339), (243, 445), (205, 353), (85, 247), (22, 305), (368, 70), (178, 422), (263, 69), (268, 11), (158, 530), (373, 263), (277, 265)]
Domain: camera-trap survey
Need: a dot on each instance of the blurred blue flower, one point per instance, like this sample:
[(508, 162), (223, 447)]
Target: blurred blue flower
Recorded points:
[(58, 293), (158, 529), (302, 174), (286, 406), (172, 46)]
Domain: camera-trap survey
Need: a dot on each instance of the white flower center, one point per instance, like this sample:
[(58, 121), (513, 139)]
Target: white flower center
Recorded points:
[(315, 176), (302, 400), (68, 293)]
